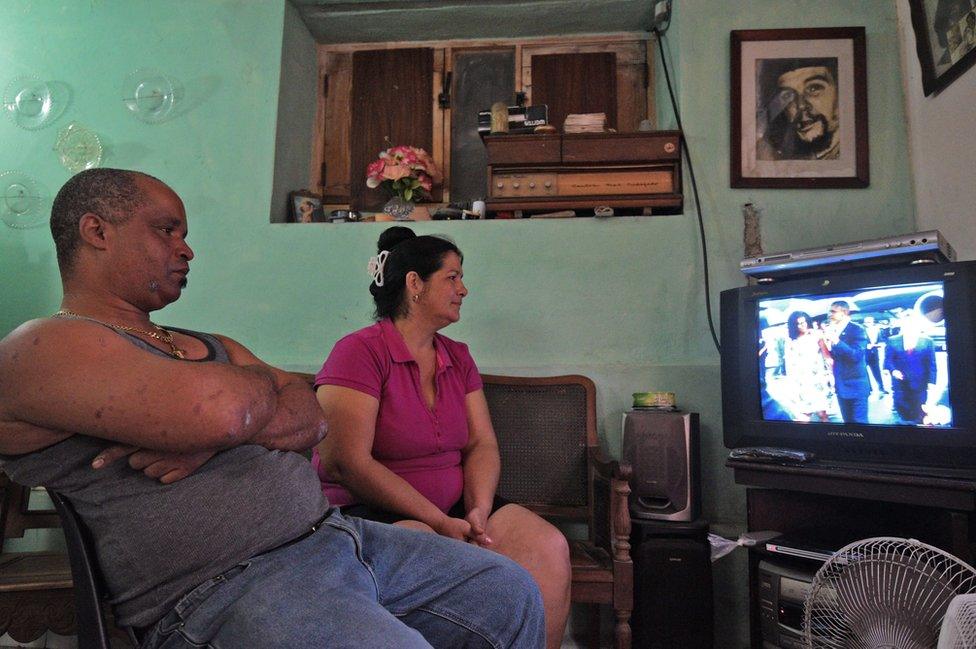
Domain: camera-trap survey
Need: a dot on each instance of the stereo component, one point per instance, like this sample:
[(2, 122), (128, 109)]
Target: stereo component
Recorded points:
[(663, 451), (915, 247), (673, 606), (782, 591)]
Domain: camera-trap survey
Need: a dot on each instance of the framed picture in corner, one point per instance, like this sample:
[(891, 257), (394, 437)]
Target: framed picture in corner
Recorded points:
[(799, 108), (305, 207), (945, 39)]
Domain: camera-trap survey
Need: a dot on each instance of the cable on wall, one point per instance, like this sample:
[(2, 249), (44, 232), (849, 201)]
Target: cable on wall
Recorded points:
[(694, 186)]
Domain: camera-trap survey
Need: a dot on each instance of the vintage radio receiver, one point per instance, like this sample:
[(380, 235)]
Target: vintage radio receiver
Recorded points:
[(584, 170)]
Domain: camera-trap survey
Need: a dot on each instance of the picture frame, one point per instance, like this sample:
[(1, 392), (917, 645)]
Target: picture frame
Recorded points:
[(799, 108), (945, 39), (305, 207)]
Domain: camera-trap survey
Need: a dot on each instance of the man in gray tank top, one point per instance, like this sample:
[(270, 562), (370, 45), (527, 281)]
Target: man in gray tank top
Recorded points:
[(178, 451)]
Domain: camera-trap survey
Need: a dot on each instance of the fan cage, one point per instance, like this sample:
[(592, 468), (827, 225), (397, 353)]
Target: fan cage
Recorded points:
[(883, 593), (959, 625)]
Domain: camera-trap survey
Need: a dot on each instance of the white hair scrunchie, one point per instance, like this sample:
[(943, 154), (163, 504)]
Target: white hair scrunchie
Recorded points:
[(375, 266)]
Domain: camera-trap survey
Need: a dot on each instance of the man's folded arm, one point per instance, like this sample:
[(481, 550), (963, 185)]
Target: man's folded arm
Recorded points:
[(79, 377), (298, 422)]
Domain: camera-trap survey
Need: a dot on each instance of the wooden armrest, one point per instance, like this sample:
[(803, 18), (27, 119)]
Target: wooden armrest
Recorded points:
[(617, 475), (610, 469)]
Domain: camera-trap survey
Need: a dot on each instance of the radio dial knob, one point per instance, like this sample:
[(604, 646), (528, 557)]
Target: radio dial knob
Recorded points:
[(531, 185), (500, 185), (548, 184)]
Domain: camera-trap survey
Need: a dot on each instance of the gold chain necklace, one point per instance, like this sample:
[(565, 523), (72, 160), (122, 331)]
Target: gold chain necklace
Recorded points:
[(160, 334)]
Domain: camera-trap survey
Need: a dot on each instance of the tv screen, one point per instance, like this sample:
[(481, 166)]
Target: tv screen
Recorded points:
[(863, 365), (875, 355)]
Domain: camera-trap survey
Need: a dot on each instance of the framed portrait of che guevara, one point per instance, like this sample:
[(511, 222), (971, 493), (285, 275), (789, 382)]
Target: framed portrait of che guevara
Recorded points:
[(945, 38), (799, 108)]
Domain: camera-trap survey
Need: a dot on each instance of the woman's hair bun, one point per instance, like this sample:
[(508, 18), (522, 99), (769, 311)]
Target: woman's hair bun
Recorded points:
[(392, 236)]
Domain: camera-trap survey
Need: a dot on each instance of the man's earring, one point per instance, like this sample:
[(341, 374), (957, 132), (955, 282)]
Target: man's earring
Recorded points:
[(416, 297)]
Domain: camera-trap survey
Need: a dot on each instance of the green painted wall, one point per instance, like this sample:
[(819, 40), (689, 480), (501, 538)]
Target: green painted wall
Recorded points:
[(218, 150), (299, 92), (620, 300)]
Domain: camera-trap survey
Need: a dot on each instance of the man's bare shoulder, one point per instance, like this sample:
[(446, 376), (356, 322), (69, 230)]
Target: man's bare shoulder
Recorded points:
[(18, 355), (28, 328), (49, 324), (30, 334), (44, 336)]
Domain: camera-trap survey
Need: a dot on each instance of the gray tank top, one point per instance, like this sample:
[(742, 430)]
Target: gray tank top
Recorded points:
[(155, 542)]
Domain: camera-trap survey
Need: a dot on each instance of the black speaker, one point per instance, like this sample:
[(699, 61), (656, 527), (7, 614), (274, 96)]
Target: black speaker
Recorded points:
[(672, 586), (663, 451)]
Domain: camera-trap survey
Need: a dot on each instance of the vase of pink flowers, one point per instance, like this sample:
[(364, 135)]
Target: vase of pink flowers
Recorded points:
[(408, 174)]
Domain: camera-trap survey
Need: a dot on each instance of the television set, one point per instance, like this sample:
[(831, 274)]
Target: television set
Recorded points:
[(857, 366)]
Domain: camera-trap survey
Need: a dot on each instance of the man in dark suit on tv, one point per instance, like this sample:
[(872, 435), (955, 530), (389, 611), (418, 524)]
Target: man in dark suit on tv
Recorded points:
[(848, 344), (876, 342), (910, 357)]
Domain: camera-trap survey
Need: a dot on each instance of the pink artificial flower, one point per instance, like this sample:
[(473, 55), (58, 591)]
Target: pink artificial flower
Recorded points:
[(396, 172), (375, 169), (404, 162)]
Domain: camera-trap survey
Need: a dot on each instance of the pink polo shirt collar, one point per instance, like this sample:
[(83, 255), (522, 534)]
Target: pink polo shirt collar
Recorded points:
[(398, 346)]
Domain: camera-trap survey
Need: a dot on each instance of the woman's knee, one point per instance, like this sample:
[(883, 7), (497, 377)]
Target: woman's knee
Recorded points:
[(533, 542), (556, 544), (548, 540)]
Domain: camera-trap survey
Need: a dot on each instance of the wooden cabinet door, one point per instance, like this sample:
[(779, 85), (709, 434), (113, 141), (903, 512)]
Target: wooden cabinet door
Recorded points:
[(481, 77), (391, 105), (576, 83)]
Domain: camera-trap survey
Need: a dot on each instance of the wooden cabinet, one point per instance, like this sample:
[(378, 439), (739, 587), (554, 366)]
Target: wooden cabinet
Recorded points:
[(584, 170), (381, 95), (834, 507)]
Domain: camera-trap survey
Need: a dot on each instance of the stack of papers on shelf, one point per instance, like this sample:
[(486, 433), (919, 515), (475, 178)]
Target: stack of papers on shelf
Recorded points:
[(585, 123)]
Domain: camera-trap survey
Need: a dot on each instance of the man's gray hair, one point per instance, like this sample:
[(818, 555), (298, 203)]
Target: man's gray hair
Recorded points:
[(110, 193)]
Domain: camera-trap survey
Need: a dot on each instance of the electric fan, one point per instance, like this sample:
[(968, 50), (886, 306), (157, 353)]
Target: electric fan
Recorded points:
[(883, 593), (959, 625)]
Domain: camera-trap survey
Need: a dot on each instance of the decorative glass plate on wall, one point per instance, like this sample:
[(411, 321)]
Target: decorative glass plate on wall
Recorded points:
[(30, 102), (150, 95), (20, 200), (78, 148)]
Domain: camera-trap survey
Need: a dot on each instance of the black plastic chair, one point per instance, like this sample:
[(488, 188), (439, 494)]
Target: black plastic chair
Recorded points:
[(92, 628)]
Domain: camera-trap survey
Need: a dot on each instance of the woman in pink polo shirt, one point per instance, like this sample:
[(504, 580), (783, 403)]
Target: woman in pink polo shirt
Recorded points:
[(410, 440)]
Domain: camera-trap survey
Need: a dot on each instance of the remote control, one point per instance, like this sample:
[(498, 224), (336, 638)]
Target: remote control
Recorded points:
[(770, 454)]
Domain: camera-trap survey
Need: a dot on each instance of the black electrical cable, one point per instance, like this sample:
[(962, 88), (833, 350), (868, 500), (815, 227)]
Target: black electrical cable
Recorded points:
[(694, 189)]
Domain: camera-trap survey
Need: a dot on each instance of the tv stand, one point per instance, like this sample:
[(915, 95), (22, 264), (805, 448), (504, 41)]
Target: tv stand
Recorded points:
[(842, 504), (880, 483)]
